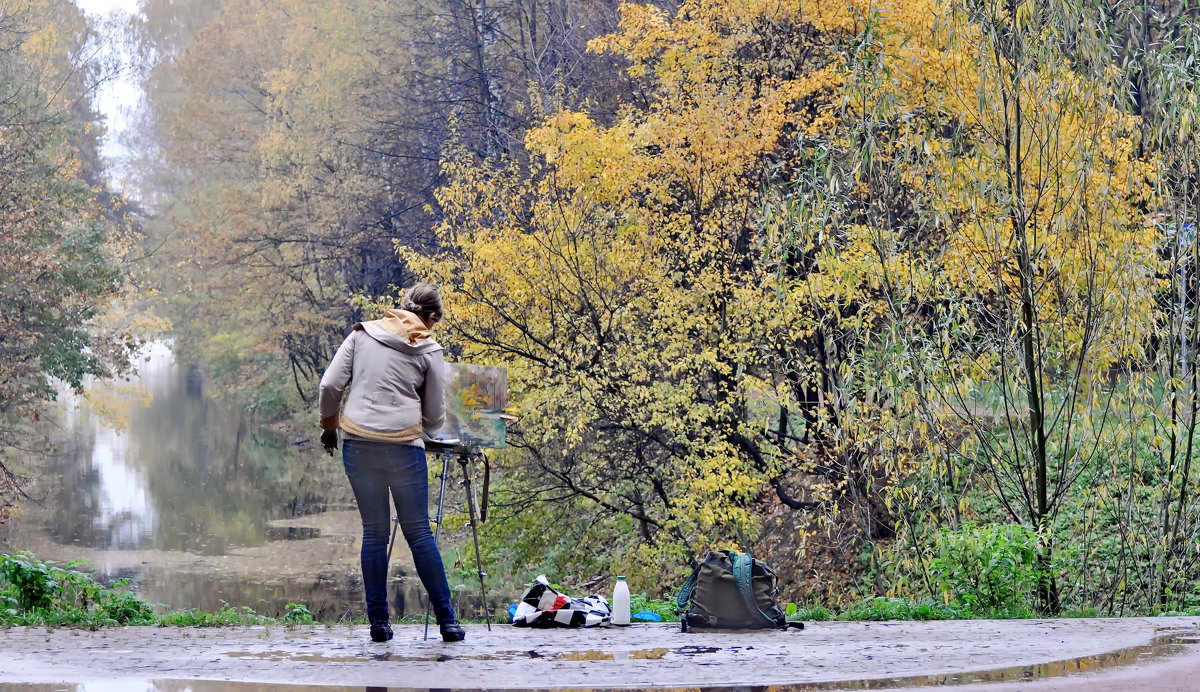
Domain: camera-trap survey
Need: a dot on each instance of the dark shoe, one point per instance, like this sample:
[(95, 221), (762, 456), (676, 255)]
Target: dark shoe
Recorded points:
[(452, 632), (381, 631)]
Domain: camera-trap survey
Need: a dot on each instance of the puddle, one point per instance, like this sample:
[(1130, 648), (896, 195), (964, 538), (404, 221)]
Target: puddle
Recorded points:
[(641, 654)]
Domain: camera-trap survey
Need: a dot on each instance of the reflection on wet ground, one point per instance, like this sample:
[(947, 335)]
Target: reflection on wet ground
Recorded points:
[(189, 498), (1161, 648), (589, 655), (594, 655)]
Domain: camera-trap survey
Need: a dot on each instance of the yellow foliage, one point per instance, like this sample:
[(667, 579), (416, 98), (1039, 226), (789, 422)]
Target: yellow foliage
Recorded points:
[(112, 401), (809, 222)]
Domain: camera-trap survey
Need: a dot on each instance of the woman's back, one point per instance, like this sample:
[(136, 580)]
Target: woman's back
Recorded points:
[(396, 378)]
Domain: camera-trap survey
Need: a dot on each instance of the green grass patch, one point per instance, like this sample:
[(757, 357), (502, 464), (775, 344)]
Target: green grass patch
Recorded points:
[(902, 609), (37, 592), (812, 613), (641, 603), (225, 616), (1193, 611)]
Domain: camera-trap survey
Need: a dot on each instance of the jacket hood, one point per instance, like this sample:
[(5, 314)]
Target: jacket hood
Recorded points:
[(401, 330)]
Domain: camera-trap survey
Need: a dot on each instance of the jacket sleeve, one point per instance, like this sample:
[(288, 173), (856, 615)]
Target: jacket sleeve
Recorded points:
[(433, 395), (334, 382)]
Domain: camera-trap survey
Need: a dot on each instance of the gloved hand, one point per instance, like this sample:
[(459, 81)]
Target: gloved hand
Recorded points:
[(329, 440)]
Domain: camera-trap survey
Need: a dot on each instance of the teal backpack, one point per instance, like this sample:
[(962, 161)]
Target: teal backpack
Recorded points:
[(729, 590)]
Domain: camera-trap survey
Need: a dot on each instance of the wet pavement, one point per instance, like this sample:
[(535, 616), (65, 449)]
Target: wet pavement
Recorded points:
[(985, 655)]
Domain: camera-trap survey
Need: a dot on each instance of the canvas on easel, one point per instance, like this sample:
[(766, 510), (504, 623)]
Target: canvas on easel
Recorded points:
[(476, 396)]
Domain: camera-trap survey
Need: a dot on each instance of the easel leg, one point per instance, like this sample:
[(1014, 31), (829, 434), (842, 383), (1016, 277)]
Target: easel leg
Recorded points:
[(437, 526), (487, 613)]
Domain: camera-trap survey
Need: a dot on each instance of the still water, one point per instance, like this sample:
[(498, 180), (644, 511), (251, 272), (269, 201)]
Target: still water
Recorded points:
[(198, 504)]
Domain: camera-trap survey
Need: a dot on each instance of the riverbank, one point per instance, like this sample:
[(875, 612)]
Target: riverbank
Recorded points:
[(829, 655)]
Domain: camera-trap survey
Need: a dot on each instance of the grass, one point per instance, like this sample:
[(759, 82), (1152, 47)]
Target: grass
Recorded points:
[(867, 609), (902, 609), (36, 592), (40, 593), (639, 603), (225, 616), (881, 608)]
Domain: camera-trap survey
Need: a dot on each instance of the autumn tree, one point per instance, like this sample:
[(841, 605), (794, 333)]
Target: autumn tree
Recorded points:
[(301, 141), (57, 272), (629, 282)]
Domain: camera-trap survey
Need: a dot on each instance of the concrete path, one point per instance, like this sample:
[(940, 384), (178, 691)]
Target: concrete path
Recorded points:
[(1075, 654)]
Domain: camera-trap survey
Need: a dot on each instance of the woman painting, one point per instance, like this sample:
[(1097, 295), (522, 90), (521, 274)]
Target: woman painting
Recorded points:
[(385, 390)]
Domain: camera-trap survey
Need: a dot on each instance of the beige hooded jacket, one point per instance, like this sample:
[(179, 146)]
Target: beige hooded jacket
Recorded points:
[(397, 382)]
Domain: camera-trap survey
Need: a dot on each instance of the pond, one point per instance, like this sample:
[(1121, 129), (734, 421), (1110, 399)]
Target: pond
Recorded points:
[(198, 504)]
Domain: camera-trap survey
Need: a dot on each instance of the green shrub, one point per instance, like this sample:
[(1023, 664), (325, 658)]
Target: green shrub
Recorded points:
[(125, 608), (37, 592), (32, 584), (990, 570), (298, 614)]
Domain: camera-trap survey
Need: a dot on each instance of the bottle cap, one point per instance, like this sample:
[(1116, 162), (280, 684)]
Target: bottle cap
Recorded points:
[(620, 578)]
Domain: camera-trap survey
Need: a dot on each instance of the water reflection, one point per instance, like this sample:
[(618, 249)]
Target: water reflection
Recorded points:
[(125, 514), (199, 504)]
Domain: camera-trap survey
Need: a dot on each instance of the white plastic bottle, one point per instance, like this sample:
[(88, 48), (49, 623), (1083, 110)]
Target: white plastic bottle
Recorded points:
[(620, 604)]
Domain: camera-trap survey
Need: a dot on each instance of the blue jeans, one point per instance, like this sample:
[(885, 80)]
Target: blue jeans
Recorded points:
[(374, 469)]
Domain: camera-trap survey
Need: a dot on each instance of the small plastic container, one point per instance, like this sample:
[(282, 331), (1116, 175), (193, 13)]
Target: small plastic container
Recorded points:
[(620, 603)]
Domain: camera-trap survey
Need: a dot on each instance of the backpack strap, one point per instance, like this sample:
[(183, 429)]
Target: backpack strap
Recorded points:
[(684, 600), (743, 566)]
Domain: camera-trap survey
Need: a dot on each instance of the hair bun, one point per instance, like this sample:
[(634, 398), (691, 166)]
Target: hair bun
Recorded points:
[(423, 299)]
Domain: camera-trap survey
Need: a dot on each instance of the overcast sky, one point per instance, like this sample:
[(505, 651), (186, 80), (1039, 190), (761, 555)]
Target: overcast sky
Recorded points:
[(117, 98)]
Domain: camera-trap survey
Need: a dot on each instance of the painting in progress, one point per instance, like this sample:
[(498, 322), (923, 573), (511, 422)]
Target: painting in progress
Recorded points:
[(475, 401)]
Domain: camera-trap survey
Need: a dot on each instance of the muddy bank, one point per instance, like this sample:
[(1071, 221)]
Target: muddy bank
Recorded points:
[(892, 654)]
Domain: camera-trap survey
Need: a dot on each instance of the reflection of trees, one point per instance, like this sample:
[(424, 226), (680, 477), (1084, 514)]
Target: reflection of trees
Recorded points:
[(215, 477), (327, 599), (71, 505)]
